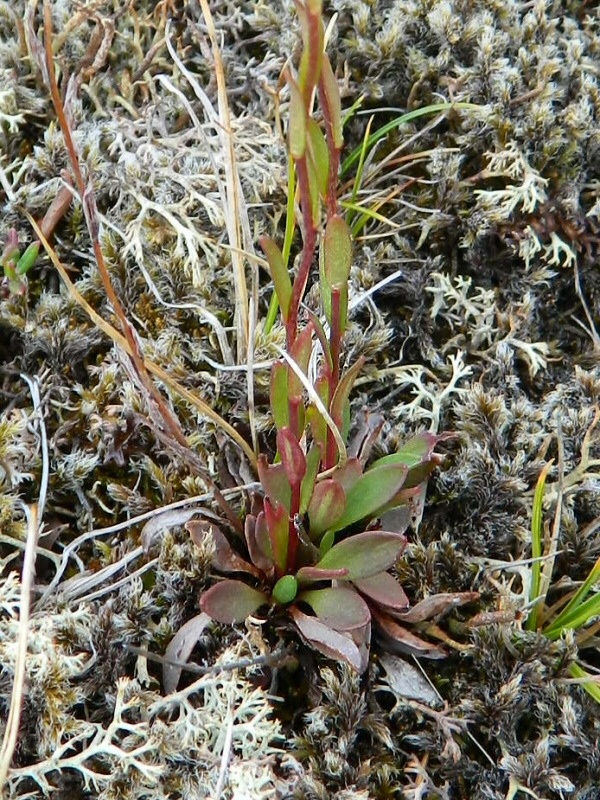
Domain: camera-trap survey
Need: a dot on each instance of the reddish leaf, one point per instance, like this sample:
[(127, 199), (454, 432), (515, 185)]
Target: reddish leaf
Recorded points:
[(297, 121), (326, 507), (225, 558), (292, 457), (231, 601), (333, 644), (437, 605), (300, 352), (331, 95), (314, 574), (256, 552), (370, 494), (342, 393), (275, 482), (180, 649), (349, 474), (338, 607), (385, 590), (398, 638), (365, 554)]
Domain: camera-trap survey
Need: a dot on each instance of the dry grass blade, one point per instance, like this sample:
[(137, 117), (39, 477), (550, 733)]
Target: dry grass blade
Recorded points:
[(235, 211), (16, 701)]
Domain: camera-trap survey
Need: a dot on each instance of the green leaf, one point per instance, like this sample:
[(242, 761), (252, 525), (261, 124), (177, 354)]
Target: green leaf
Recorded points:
[(365, 554), (279, 394), (326, 506), (537, 546), (285, 590), (339, 607), (371, 493), (342, 393), (28, 259), (337, 251), (231, 601), (313, 461), (297, 121), (319, 154), (279, 274), (278, 526), (591, 686), (579, 611)]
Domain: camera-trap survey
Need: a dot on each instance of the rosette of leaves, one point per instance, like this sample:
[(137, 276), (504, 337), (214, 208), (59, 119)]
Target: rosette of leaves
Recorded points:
[(310, 551)]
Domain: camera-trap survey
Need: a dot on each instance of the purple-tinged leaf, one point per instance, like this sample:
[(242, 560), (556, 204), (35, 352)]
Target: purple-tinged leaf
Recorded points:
[(274, 481), (231, 601), (332, 644), (279, 274), (396, 638), (342, 393), (259, 558), (279, 531), (279, 394), (349, 474), (365, 554), (292, 457), (370, 494), (260, 544), (384, 590), (339, 607), (225, 559), (180, 649), (363, 440), (313, 461), (326, 507), (314, 574), (437, 605)]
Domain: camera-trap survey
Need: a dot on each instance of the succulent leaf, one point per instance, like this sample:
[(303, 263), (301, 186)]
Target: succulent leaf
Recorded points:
[(370, 494), (333, 644), (338, 607), (231, 601), (365, 554)]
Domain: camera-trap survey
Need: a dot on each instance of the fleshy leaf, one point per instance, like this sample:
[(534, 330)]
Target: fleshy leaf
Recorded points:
[(417, 454), (292, 457), (339, 607), (279, 394), (300, 352), (231, 601), (278, 527), (255, 551), (297, 121), (342, 393), (331, 94), (286, 589), (313, 460), (319, 154), (279, 274), (340, 646), (225, 559), (365, 554), (314, 574), (326, 506), (384, 590), (370, 494), (274, 481)]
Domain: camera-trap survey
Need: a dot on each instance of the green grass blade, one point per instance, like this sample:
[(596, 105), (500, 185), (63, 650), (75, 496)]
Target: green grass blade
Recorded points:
[(536, 546), (591, 687), (577, 613), (435, 108), (357, 183)]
